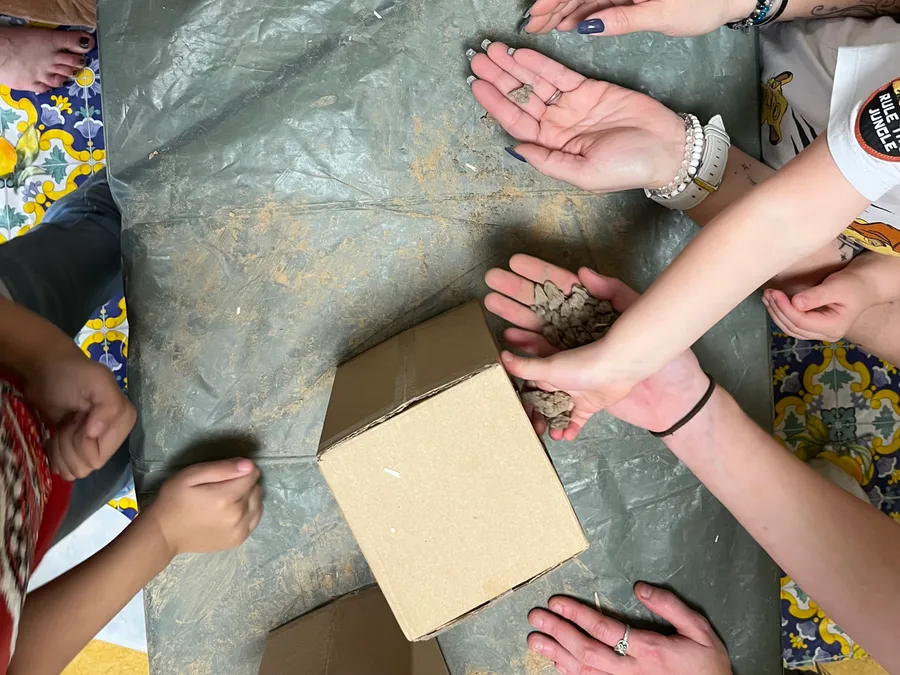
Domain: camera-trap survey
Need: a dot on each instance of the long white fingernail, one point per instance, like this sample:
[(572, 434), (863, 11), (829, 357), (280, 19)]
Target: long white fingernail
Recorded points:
[(485, 44), (511, 51), (527, 13), (470, 79), (470, 53)]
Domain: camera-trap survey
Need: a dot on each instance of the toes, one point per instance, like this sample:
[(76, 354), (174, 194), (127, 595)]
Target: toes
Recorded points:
[(67, 72), (75, 41), (70, 61), (52, 81), (39, 88)]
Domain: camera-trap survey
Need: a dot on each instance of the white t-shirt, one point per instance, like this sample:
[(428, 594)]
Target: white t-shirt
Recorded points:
[(818, 70)]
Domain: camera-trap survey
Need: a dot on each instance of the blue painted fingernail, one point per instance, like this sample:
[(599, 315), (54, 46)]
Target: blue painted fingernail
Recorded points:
[(522, 24), (591, 27), (515, 154)]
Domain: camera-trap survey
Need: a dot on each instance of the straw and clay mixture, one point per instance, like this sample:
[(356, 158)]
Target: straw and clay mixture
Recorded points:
[(569, 321)]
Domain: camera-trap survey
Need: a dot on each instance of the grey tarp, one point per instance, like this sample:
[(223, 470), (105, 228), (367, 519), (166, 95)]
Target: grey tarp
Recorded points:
[(294, 185)]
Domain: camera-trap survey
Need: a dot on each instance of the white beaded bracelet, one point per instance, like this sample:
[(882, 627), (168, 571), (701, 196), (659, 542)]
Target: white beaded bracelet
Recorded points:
[(693, 153)]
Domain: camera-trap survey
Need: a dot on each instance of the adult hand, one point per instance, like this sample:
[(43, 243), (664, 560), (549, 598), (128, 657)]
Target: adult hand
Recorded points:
[(681, 18), (580, 640), (597, 136), (656, 403), (90, 414), (208, 507), (825, 312)]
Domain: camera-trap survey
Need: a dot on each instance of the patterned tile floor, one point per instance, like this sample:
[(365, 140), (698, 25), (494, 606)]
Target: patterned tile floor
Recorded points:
[(831, 401), (839, 403)]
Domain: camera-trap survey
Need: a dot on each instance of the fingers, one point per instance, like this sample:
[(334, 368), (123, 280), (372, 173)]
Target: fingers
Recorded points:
[(585, 649), (555, 73), (529, 342), (488, 71), (831, 291), (518, 123), (667, 605), (219, 472), (565, 663), (580, 13), (599, 626), (512, 311), (528, 271), (619, 294), (567, 370), (556, 164), (805, 326), (624, 19), (498, 52), (254, 507)]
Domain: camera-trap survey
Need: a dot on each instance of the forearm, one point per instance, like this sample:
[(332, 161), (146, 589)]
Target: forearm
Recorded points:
[(62, 617), (742, 174), (819, 9), (848, 565), (776, 224), (27, 340)]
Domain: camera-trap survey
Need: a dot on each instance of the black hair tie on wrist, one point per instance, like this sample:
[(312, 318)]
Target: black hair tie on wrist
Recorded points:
[(692, 413)]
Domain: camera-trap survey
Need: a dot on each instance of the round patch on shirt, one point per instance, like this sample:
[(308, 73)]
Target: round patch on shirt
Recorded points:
[(878, 123)]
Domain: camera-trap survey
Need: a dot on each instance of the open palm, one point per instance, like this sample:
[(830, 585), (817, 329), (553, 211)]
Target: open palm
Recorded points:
[(597, 136), (656, 403)]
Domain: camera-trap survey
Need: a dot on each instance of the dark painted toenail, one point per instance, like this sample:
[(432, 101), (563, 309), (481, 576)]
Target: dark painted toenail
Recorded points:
[(84, 42), (74, 73)]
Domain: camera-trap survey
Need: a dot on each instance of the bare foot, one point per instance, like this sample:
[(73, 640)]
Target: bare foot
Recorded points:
[(39, 59)]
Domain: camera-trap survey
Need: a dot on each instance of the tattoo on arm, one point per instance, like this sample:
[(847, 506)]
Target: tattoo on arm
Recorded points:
[(867, 9)]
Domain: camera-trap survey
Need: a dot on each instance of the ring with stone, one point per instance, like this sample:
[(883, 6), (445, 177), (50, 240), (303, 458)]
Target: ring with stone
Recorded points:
[(621, 647), (556, 96)]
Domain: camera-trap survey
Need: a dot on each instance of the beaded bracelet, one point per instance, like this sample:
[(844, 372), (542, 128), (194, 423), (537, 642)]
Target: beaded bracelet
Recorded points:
[(763, 7), (693, 153)]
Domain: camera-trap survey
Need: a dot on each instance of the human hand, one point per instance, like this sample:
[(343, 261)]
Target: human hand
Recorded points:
[(824, 312), (579, 639), (90, 414), (655, 403), (682, 18), (597, 136), (208, 507)]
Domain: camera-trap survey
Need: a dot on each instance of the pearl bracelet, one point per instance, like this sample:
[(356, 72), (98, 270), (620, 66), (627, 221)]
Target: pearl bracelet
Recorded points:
[(757, 18), (693, 153)]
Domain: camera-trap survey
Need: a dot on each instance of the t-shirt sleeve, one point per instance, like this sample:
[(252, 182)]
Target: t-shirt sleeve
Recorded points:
[(864, 124)]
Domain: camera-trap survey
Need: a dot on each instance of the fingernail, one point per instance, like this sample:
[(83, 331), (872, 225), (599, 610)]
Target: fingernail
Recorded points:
[(591, 27), (527, 13), (522, 24), (765, 301), (84, 42), (561, 670), (470, 79), (506, 356), (485, 44), (556, 606), (536, 620), (244, 466), (515, 154), (644, 591), (470, 53), (538, 646), (511, 51)]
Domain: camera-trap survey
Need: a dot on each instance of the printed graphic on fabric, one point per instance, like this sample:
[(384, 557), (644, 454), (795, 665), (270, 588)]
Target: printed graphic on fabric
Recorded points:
[(878, 237), (775, 107), (878, 123)]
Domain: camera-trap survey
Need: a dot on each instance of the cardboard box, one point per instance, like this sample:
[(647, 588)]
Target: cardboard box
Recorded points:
[(353, 635), (440, 475)]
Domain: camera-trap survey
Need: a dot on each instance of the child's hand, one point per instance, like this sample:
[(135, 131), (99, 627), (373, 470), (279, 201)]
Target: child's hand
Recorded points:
[(208, 507), (824, 312), (91, 415)]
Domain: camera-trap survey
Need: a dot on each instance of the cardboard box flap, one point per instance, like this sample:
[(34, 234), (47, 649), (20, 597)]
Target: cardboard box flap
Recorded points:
[(353, 635), (416, 363)]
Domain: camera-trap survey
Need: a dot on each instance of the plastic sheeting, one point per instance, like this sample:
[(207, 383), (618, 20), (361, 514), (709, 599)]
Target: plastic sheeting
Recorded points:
[(297, 184)]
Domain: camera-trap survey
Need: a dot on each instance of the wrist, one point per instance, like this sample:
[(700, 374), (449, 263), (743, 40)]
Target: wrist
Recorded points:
[(738, 10), (153, 522), (689, 439), (682, 394)]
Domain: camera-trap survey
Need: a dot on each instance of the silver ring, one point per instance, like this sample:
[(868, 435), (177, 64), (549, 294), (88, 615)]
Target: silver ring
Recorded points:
[(621, 647), (553, 99)]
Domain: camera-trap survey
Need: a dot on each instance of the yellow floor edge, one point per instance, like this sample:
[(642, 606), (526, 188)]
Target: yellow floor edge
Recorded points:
[(103, 658)]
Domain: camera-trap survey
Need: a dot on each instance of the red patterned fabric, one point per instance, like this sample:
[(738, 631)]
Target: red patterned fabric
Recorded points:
[(32, 505)]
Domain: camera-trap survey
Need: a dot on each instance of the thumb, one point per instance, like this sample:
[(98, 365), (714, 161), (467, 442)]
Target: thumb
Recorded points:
[(669, 606), (830, 291), (107, 403), (568, 370), (218, 472), (624, 19), (563, 166)]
